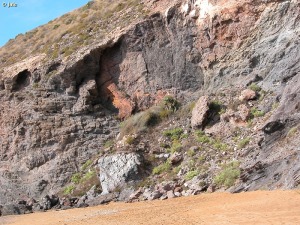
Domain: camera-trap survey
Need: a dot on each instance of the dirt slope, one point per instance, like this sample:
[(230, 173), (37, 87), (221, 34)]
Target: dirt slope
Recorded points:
[(261, 207)]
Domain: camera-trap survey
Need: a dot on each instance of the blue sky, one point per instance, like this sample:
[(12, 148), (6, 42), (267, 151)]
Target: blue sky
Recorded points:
[(31, 13)]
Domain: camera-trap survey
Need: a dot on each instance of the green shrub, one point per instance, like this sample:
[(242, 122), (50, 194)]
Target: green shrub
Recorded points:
[(109, 143), (69, 190), (56, 26), (176, 146), (201, 159), (257, 113), (191, 174), (249, 123), (151, 119), (88, 5), (262, 95), (120, 6), (243, 143), (202, 137), (76, 178), (86, 165), (171, 103), (215, 106), (230, 172), (174, 134), (191, 164), (164, 145), (141, 121), (89, 175), (177, 169), (222, 111), (254, 87), (183, 136), (164, 113), (191, 152), (292, 131), (217, 144), (162, 168), (130, 140), (35, 85), (192, 106), (68, 21), (275, 105)]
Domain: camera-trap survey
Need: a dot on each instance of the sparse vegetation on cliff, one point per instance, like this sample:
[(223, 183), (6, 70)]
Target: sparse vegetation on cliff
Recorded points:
[(70, 32), (228, 175), (149, 118)]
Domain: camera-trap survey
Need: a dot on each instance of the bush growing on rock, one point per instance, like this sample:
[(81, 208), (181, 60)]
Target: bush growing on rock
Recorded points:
[(162, 168), (148, 118), (139, 122), (292, 131), (256, 113), (217, 144), (230, 172), (243, 143), (89, 175), (69, 190), (215, 106), (191, 174), (130, 140), (76, 178), (176, 146), (86, 165), (254, 87), (109, 143), (173, 134), (191, 152), (202, 137), (171, 103)]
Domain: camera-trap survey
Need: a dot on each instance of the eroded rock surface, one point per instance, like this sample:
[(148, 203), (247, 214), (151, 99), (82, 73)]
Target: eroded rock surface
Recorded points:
[(118, 170), (55, 114), (200, 112)]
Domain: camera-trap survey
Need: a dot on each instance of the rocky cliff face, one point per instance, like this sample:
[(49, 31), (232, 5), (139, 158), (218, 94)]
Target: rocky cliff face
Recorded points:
[(57, 114)]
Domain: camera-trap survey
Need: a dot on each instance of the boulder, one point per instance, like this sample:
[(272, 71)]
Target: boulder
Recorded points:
[(199, 113), (118, 170), (236, 118), (49, 202), (81, 202), (15, 209), (243, 112), (170, 194), (211, 188), (195, 13), (125, 193), (147, 194), (155, 195), (135, 195), (177, 194), (178, 189), (102, 199), (163, 197), (247, 95), (176, 158), (273, 126)]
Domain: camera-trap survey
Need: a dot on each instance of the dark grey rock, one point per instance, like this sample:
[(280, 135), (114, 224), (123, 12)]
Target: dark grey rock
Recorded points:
[(102, 199)]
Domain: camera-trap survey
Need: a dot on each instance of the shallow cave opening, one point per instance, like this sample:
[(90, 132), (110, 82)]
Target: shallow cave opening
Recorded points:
[(22, 80), (107, 78), (213, 115)]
